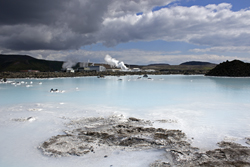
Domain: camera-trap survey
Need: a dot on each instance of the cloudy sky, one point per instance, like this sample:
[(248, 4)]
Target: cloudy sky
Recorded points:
[(133, 31)]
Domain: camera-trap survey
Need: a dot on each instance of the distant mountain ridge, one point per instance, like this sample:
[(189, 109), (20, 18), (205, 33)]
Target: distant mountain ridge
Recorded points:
[(235, 68), (15, 63), (196, 63), (158, 64)]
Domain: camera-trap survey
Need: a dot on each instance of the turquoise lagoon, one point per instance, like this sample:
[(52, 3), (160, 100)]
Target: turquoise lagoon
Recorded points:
[(207, 109)]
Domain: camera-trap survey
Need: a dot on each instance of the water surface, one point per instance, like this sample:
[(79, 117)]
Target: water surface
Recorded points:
[(207, 109)]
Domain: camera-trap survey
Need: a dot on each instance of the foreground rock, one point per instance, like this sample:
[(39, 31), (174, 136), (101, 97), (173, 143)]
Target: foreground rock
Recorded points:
[(228, 155), (112, 132), (92, 134)]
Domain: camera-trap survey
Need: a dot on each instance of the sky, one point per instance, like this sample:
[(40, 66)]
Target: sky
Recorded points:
[(133, 31)]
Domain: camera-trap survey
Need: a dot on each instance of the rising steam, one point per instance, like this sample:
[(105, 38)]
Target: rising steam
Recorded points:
[(115, 63), (68, 64)]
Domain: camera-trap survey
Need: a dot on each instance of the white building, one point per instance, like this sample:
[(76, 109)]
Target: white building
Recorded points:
[(136, 70), (149, 70), (70, 70)]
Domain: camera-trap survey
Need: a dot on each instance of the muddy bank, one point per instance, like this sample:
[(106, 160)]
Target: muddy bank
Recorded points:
[(89, 135)]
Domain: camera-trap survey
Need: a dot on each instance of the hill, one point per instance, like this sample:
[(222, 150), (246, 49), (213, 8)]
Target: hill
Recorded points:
[(158, 64), (16, 63), (196, 63), (235, 68)]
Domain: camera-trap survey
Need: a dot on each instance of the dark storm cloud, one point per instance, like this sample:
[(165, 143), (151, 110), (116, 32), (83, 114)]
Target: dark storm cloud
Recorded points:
[(80, 16), (14, 12), (70, 24), (26, 37), (57, 24), (61, 24)]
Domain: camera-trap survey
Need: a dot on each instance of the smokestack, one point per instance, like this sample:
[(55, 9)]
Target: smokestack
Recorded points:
[(115, 63)]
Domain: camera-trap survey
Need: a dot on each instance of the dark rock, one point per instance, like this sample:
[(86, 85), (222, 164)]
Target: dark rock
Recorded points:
[(133, 119), (235, 68), (248, 141), (100, 76)]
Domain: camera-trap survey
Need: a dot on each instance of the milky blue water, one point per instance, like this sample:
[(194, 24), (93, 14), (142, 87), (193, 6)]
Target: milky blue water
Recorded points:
[(207, 109)]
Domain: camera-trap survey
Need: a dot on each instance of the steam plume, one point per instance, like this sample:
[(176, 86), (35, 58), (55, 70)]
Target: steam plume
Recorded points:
[(68, 64), (115, 63)]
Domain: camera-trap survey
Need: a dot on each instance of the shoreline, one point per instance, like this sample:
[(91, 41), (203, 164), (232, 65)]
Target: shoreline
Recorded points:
[(82, 74)]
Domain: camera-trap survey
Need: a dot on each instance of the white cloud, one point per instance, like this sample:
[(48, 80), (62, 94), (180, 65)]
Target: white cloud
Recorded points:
[(212, 25), (237, 49), (221, 6), (123, 8)]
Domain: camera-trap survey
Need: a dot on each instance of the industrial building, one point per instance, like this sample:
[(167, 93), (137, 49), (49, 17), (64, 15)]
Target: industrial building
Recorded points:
[(92, 68), (136, 70)]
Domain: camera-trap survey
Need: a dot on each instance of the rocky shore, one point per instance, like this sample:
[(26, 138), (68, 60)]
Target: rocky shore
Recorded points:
[(91, 73), (67, 74), (89, 135)]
